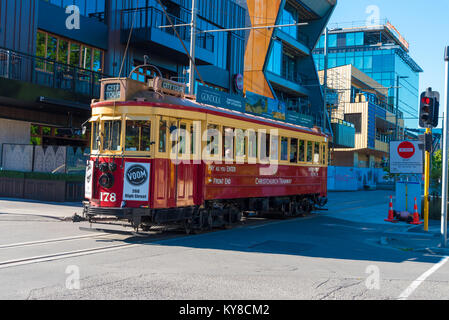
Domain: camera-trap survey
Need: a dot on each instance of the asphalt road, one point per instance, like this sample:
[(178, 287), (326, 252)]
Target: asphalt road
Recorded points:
[(344, 253)]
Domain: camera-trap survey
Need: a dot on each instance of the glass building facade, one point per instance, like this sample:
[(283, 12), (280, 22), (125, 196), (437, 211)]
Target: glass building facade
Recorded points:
[(388, 64), (87, 7)]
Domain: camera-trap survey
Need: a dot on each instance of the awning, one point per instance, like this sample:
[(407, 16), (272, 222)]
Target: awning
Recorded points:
[(94, 119), (138, 118), (110, 118)]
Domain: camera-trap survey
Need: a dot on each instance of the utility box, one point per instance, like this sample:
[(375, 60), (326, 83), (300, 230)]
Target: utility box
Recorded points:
[(406, 192)]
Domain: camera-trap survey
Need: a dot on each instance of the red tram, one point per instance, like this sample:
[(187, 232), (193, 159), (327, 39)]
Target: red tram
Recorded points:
[(160, 158)]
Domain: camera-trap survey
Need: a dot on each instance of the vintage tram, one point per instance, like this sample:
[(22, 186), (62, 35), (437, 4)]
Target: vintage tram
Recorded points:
[(158, 157)]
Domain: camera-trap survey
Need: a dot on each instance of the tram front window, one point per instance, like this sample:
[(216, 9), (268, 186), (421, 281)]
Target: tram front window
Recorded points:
[(95, 136), (112, 132), (138, 136)]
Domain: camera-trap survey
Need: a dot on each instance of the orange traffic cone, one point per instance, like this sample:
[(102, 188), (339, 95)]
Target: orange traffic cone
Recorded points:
[(416, 215), (391, 212)]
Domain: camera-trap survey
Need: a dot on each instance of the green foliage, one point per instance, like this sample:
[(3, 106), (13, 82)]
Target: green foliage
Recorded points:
[(436, 170)]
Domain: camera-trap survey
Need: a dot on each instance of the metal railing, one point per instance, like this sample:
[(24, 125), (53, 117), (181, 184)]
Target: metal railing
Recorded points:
[(19, 66), (146, 18)]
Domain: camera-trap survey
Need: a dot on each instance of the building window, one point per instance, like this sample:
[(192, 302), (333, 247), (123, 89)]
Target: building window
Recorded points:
[(356, 120), (66, 51), (332, 41), (290, 16)]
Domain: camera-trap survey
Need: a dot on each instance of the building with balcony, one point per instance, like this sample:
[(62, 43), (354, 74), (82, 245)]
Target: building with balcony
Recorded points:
[(51, 65), (383, 54), (363, 102)]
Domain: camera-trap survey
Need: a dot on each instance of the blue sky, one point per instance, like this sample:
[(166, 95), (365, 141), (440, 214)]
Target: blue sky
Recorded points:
[(424, 24)]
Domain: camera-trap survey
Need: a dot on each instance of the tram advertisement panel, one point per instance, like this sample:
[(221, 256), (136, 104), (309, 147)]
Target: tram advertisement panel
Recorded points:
[(89, 180), (136, 182)]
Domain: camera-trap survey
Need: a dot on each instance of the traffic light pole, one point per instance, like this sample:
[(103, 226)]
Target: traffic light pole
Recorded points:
[(444, 182), (427, 185)]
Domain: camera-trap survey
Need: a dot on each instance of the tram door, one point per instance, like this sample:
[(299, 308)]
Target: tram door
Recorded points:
[(181, 165)]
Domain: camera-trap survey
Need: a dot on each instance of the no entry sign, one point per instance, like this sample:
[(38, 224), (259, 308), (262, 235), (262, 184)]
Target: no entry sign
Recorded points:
[(406, 150), (406, 157)]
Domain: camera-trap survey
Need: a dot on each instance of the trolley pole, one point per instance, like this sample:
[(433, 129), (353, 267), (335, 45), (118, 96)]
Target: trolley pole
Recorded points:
[(444, 182), (427, 185), (192, 49)]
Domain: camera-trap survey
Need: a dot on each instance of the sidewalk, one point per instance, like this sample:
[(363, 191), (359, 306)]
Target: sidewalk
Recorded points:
[(399, 235), (41, 209)]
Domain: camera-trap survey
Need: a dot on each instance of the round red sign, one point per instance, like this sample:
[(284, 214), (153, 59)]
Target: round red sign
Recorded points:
[(406, 150)]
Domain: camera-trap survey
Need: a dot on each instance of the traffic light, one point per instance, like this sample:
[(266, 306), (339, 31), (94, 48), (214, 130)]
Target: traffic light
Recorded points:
[(429, 109)]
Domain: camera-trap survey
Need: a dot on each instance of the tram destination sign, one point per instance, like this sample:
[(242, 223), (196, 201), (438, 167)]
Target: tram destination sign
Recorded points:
[(112, 91), (167, 86)]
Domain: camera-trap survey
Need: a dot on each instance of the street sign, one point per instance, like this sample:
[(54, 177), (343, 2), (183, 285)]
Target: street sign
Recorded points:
[(406, 157)]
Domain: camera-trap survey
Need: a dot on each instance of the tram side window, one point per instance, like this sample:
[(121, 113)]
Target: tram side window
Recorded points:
[(138, 136), (240, 143), (316, 153), (212, 139), (182, 138), (323, 159), (252, 144), (274, 155), (112, 134), (95, 134), (162, 136), (264, 146), (284, 149), (228, 145), (309, 151), (302, 151), (293, 150)]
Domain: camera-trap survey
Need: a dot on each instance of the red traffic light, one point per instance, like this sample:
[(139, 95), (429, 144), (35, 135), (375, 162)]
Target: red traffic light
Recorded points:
[(425, 100)]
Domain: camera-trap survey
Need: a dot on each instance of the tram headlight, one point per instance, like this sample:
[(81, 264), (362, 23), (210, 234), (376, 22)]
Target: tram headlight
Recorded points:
[(106, 180), (104, 167), (112, 167)]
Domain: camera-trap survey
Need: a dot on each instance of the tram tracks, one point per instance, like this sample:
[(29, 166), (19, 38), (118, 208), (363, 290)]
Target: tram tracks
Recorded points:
[(133, 240)]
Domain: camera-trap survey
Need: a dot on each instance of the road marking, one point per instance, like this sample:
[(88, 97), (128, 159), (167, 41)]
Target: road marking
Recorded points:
[(407, 292)]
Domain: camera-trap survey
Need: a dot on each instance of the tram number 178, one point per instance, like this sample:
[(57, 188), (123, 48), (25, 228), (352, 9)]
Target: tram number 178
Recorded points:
[(108, 197)]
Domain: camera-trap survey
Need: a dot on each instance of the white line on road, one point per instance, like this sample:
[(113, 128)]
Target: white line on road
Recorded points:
[(407, 292)]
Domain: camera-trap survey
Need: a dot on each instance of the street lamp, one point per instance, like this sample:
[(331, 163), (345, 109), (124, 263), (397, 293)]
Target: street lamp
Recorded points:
[(397, 103)]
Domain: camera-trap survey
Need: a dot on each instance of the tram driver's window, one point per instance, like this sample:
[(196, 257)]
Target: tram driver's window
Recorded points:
[(112, 133), (302, 151), (162, 136), (95, 135), (138, 136), (284, 149)]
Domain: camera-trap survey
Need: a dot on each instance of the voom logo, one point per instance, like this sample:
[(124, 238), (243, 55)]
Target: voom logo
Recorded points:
[(137, 175)]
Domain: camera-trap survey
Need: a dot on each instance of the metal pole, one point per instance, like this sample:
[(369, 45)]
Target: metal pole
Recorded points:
[(444, 182), (325, 73), (192, 49), (397, 107), (426, 186)]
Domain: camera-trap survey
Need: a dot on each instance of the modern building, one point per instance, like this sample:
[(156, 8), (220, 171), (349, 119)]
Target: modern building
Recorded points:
[(279, 62), (363, 106), (383, 54), (52, 59)]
